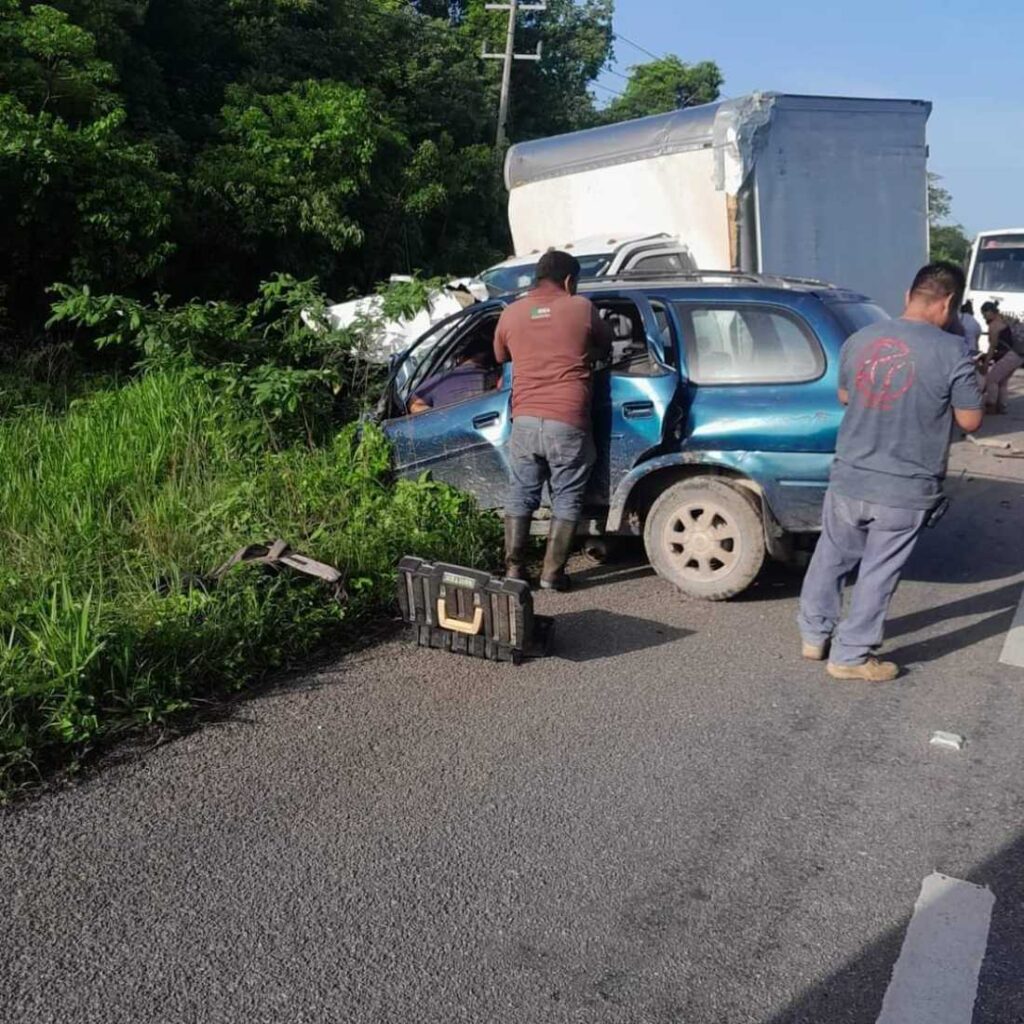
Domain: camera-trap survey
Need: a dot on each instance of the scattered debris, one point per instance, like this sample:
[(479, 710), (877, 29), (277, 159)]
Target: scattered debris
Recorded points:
[(988, 442), (949, 740), (1012, 454), (277, 554)]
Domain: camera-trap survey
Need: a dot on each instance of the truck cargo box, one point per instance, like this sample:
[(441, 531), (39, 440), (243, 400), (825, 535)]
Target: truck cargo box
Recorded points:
[(832, 188)]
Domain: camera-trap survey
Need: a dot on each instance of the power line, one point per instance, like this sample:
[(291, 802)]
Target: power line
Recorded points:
[(598, 85), (637, 46)]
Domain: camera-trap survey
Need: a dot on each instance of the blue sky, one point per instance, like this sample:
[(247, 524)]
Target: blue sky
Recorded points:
[(966, 57)]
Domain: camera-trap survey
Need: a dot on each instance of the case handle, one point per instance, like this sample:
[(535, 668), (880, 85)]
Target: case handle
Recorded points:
[(459, 625)]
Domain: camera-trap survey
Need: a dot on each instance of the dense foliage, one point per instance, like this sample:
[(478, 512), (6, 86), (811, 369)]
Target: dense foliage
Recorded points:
[(197, 146), (949, 241), (663, 85)]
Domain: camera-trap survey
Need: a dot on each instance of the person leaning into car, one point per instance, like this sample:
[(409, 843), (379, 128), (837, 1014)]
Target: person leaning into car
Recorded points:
[(552, 337)]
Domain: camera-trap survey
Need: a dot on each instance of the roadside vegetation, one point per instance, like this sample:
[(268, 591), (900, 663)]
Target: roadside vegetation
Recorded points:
[(115, 507)]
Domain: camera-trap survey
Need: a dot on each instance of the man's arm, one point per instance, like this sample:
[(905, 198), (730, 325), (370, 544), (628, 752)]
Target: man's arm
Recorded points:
[(968, 420), (965, 396)]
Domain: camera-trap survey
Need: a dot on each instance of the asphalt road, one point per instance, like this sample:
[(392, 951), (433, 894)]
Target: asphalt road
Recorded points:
[(672, 819)]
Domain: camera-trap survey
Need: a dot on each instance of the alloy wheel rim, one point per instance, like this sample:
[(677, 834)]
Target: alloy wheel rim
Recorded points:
[(702, 540)]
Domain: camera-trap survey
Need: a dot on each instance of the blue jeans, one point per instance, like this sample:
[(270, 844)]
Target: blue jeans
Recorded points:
[(547, 451), (879, 539)]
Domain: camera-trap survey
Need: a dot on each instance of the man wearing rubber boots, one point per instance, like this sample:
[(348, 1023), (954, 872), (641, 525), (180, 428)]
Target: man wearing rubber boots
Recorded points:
[(900, 380), (552, 336)]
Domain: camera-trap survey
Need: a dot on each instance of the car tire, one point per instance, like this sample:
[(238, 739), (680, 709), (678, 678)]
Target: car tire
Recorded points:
[(706, 537)]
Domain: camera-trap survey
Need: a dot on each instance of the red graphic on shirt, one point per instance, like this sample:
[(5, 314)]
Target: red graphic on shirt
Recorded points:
[(886, 373)]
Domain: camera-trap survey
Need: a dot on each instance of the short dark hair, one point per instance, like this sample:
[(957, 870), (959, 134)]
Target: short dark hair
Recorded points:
[(556, 266), (967, 307), (989, 307), (939, 280)]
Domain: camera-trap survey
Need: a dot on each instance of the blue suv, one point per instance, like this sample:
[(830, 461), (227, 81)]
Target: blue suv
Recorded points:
[(715, 419)]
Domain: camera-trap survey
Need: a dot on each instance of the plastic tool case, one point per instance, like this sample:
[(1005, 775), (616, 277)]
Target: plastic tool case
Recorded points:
[(467, 611)]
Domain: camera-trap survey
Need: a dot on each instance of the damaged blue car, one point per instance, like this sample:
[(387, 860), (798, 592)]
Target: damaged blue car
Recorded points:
[(715, 419)]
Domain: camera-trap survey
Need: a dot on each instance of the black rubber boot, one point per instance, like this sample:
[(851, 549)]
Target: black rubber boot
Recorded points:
[(517, 546), (561, 538)]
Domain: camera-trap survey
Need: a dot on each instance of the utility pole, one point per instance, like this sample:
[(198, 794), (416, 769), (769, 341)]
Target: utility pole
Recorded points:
[(509, 56)]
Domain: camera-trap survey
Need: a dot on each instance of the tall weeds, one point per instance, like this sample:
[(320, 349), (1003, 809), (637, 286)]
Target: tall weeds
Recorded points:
[(110, 510)]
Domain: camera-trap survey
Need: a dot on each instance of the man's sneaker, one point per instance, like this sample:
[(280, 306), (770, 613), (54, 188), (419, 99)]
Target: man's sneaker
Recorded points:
[(814, 652), (871, 671)]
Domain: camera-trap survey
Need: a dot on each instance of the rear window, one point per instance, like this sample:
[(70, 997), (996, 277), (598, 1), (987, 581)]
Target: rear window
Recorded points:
[(748, 344), (855, 315)]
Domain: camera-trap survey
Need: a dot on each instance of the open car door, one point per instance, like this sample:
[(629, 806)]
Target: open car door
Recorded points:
[(464, 444), (637, 396)]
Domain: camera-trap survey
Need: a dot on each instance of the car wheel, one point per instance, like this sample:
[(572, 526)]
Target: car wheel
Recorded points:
[(706, 537)]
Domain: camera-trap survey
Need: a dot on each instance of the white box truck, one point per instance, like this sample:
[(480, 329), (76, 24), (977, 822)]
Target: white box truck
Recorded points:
[(831, 188)]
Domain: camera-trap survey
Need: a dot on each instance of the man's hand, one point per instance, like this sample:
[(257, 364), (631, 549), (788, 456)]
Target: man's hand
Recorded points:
[(417, 405), (844, 396)]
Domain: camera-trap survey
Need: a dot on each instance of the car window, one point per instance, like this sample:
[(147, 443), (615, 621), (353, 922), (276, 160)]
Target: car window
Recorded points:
[(855, 315), (664, 262), (442, 356), (749, 344), (631, 355)]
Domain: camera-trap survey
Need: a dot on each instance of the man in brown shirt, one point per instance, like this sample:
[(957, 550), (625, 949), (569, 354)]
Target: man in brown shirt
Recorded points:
[(552, 336)]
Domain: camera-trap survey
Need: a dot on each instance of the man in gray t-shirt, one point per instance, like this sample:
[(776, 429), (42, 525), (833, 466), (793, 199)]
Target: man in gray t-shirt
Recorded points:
[(900, 380)]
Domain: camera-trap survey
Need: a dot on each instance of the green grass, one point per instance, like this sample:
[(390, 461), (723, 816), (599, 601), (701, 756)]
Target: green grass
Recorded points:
[(162, 479)]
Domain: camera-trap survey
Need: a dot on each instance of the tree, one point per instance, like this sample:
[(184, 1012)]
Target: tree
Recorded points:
[(78, 197), (940, 200), (663, 85), (948, 240), (199, 146)]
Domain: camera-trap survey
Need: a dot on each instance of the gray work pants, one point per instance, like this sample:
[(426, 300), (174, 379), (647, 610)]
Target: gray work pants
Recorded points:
[(548, 451), (879, 539)]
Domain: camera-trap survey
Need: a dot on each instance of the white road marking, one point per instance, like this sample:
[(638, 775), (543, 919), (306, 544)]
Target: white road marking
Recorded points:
[(935, 979), (1013, 646)]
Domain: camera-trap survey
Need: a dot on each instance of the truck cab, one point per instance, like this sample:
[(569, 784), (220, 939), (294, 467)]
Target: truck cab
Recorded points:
[(715, 419)]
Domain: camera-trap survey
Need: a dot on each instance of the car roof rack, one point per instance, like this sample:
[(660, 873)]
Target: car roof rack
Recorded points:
[(732, 276)]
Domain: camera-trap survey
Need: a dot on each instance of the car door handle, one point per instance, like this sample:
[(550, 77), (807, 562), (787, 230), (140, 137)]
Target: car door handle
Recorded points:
[(637, 410), (488, 419)]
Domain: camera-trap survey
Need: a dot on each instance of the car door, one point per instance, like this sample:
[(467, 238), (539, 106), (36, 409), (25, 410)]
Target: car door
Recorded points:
[(762, 395), (636, 397), (464, 444)]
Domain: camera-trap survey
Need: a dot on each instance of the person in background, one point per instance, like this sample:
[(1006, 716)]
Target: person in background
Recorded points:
[(1006, 356), (972, 330), (552, 336), (473, 375), (899, 380)]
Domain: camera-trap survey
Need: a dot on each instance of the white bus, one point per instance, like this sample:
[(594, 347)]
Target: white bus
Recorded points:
[(995, 271)]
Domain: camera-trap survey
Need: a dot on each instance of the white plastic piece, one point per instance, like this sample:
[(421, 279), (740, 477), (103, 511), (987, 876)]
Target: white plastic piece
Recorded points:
[(988, 442), (950, 740)]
